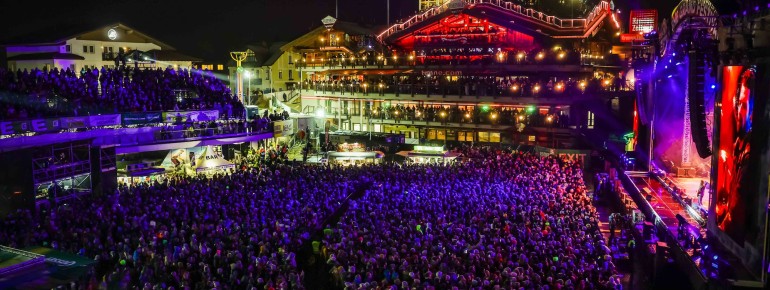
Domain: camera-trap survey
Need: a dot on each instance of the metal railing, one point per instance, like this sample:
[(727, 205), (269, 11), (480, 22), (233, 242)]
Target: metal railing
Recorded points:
[(529, 13), (35, 260)]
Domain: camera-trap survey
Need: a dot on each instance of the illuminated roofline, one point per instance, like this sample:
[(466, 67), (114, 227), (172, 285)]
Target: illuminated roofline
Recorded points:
[(587, 24)]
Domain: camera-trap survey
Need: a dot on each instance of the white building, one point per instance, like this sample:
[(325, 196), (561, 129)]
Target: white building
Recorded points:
[(78, 49)]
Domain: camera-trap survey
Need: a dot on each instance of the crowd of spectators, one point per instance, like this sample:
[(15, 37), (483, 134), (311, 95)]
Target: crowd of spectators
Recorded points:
[(234, 231), (501, 221), (475, 115), (63, 92), (498, 220), (510, 86), (451, 55)]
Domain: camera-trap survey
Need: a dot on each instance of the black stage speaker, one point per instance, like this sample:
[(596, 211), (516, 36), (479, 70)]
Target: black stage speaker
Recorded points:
[(104, 174), (695, 94)]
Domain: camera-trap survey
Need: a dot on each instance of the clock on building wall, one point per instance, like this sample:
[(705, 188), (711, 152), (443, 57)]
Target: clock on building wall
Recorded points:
[(112, 34)]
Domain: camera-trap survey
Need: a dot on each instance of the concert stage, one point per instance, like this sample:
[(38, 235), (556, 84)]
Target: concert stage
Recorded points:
[(662, 210), (691, 187)]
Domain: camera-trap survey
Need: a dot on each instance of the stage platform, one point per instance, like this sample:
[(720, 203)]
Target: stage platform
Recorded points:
[(660, 207), (44, 268), (691, 186)]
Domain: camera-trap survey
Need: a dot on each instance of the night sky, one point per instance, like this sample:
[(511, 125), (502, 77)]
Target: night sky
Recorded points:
[(209, 29)]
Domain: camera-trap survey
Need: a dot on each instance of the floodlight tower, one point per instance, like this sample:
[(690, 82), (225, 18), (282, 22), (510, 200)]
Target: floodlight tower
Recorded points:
[(238, 57)]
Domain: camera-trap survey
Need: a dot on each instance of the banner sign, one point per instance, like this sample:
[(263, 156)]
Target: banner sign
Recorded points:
[(43, 125), (74, 122), (581, 156), (192, 116), (351, 147), (630, 37), (141, 118), (104, 120)]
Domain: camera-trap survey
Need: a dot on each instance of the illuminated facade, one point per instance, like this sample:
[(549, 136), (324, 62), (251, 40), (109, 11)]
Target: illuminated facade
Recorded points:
[(465, 72)]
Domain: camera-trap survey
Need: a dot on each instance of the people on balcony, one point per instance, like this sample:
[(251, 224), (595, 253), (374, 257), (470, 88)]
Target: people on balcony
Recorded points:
[(44, 93)]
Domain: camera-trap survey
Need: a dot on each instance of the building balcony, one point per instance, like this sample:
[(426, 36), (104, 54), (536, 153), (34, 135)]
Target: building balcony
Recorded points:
[(460, 93)]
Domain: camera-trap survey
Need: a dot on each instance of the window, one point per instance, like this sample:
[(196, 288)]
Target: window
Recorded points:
[(494, 137), (256, 73), (431, 134), (483, 136), (109, 49), (91, 49), (441, 134), (220, 67), (590, 123), (280, 74), (290, 61), (291, 75), (465, 136), (68, 48), (85, 48)]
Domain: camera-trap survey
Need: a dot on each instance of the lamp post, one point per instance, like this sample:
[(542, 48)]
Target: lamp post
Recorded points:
[(248, 92), (549, 120), (320, 113)]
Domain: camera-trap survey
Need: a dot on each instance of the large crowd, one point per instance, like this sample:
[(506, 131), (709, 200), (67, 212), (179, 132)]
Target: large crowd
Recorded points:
[(475, 115), (505, 221), (63, 92), (498, 220)]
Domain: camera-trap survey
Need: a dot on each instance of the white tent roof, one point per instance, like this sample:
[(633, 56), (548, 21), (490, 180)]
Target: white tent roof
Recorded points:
[(211, 160)]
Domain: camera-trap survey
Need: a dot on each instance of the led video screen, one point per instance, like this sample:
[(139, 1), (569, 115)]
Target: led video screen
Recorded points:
[(740, 203)]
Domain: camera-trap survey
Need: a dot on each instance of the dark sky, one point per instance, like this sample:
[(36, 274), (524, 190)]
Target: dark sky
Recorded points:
[(209, 29)]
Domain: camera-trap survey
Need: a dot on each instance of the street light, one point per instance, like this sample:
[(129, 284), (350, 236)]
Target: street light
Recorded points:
[(320, 113), (248, 93), (549, 120)]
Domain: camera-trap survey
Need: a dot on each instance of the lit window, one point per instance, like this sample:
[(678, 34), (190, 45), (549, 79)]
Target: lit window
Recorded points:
[(220, 67), (280, 74), (590, 123)]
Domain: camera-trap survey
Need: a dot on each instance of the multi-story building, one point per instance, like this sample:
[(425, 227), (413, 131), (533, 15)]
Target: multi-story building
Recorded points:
[(88, 47), (473, 71)]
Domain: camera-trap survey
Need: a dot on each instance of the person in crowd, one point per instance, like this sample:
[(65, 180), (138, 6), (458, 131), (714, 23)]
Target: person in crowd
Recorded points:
[(496, 220)]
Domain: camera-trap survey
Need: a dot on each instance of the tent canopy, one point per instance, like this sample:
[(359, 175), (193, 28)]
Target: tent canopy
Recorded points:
[(211, 160)]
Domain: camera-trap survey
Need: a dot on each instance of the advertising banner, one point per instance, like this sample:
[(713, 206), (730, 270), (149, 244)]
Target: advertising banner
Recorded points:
[(196, 159), (581, 156), (74, 122), (6, 128), (44, 125), (104, 120), (190, 116), (141, 118)]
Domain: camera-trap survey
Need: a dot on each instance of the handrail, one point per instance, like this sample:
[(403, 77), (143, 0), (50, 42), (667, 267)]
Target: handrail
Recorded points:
[(584, 23), (35, 260)]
